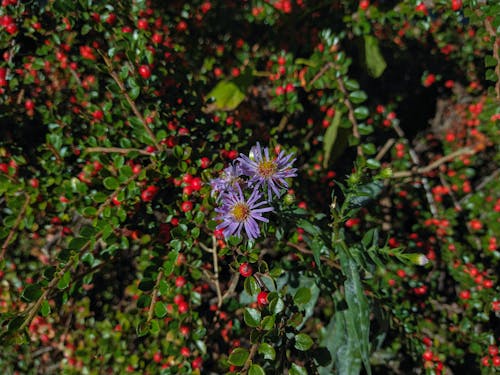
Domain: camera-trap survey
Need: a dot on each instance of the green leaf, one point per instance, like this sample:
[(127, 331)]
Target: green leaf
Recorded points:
[(238, 357), (32, 292), (256, 370), (251, 286), (252, 317), (227, 95), (297, 370), (373, 163), (357, 96), (342, 347), (365, 194), (357, 317), (267, 322), (77, 243), (267, 351), (160, 310), (375, 63), (303, 342), (110, 183), (45, 308), (361, 113), (330, 137), (64, 282), (308, 227), (302, 296)]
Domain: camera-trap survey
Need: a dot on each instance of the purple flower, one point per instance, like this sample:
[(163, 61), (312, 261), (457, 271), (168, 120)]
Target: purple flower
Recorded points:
[(237, 213), (263, 170), (229, 179)]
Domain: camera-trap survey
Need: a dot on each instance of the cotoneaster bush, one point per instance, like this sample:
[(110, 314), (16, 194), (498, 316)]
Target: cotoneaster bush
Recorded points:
[(249, 187)]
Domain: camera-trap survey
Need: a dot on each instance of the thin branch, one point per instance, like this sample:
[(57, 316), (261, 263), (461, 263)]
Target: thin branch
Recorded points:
[(351, 116), (253, 351), (309, 252), (496, 44), (117, 150), (131, 103), (435, 164), (55, 152), (323, 70), (14, 227), (415, 159), (153, 295), (387, 146), (216, 272)]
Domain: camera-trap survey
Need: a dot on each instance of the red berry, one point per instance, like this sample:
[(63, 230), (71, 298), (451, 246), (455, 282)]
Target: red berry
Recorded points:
[(428, 355), (262, 299), (456, 4), (183, 307), (185, 351), (180, 281), (364, 4), (186, 206), (145, 71), (496, 361), (157, 357), (142, 24), (245, 269), (29, 105), (204, 162)]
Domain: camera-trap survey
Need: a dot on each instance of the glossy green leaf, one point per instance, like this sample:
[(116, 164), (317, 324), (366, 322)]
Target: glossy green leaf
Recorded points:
[(45, 308), (256, 370), (226, 95), (110, 183), (267, 322), (267, 351), (357, 317), (374, 60), (358, 96), (160, 310), (252, 317), (330, 138), (303, 342), (32, 292), (64, 281), (295, 369), (302, 296), (238, 356)]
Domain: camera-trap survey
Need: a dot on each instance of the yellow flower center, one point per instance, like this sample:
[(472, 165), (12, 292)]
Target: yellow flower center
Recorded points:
[(267, 168), (240, 211)]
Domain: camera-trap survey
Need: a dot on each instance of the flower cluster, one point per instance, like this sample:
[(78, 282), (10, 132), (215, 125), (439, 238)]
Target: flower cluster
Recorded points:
[(239, 190)]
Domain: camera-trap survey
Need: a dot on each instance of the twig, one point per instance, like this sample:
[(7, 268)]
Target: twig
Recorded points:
[(415, 159), (387, 146), (14, 227), (131, 103), (309, 252), (118, 150), (253, 351), (450, 190), (216, 272), (351, 116), (33, 309), (55, 152), (434, 164), (482, 184), (153, 295), (232, 286), (496, 54), (323, 70)]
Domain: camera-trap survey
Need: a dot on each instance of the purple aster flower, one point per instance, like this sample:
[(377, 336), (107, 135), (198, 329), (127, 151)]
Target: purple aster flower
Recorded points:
[(264, 170), (229, 179), (237, 213)]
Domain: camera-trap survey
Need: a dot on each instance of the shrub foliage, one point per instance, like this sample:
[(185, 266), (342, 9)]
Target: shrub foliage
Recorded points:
[(118, 122)]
